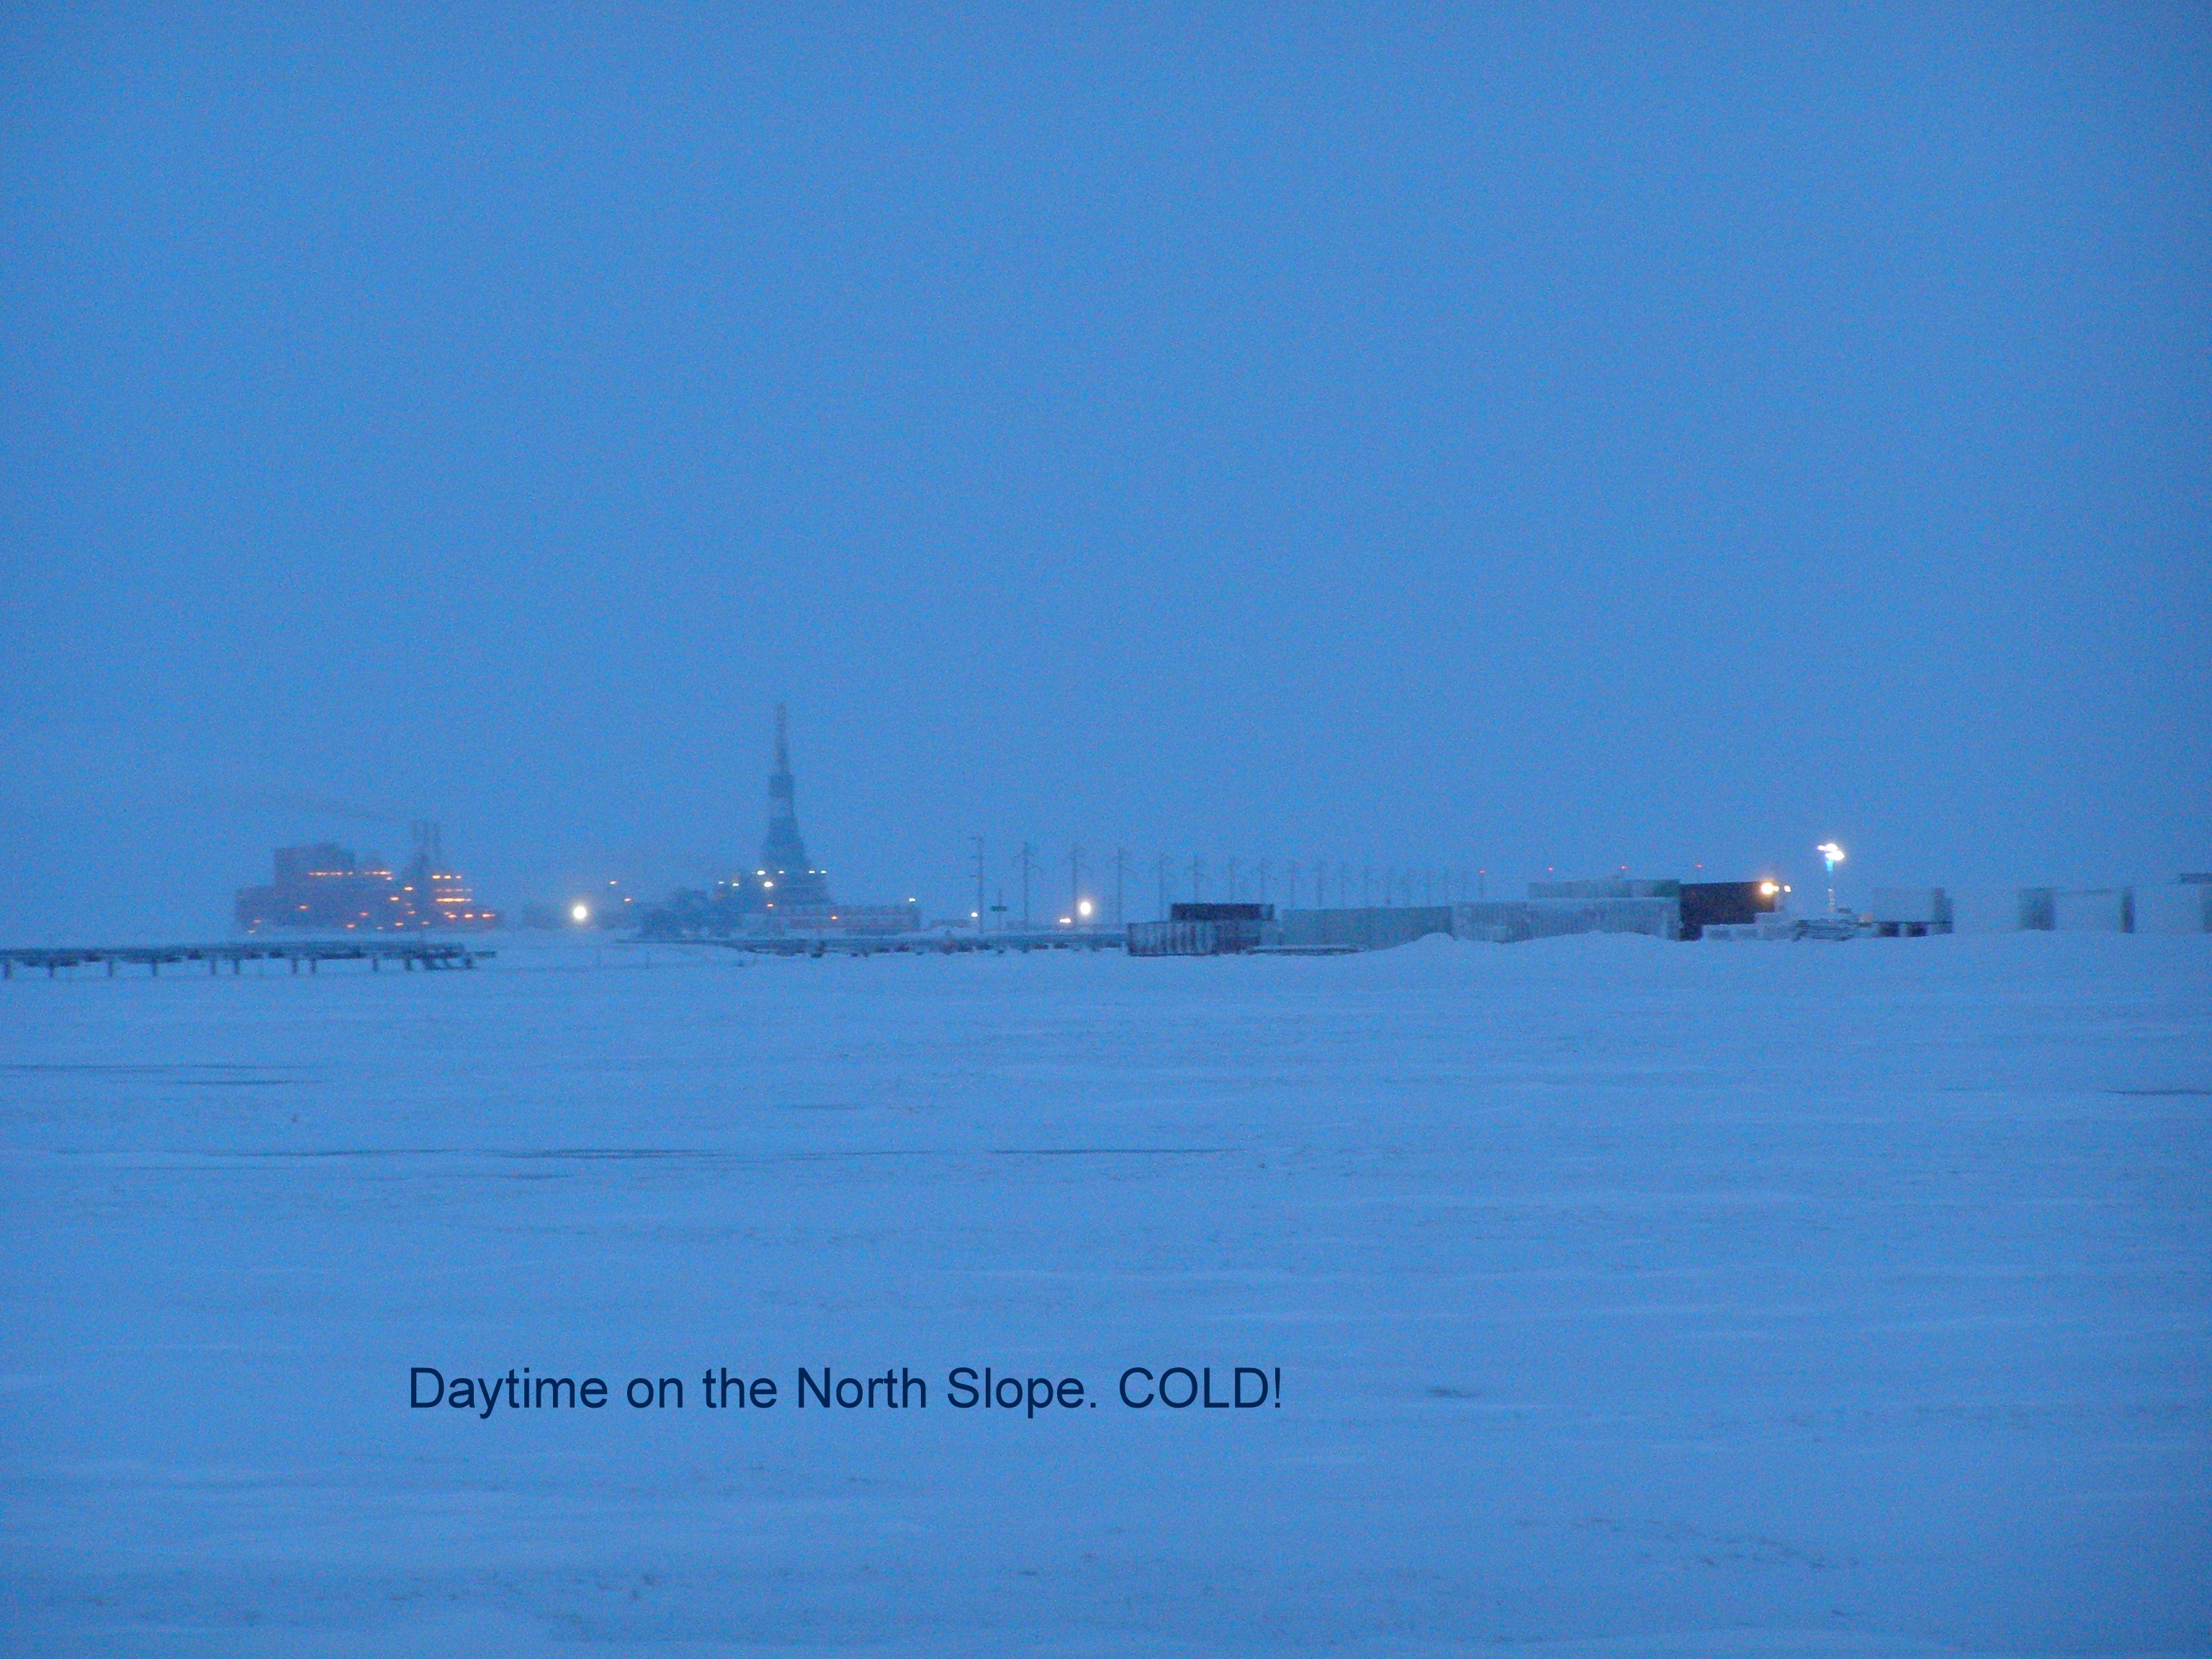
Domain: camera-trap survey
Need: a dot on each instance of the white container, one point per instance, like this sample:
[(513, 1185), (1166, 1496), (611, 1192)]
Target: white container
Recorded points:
[(2180, 907), (2092, 910), (1918, 907)]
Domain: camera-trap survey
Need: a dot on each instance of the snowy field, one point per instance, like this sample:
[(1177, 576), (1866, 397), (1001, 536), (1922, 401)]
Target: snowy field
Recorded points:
[(1628, 1298)]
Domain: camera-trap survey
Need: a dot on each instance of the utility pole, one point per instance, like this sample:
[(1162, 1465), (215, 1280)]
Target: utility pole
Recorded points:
[(1232, 880), (1166, 872), (1028, 863), (1197, 878), (1120, 876), (978, 840), (1263, 881)]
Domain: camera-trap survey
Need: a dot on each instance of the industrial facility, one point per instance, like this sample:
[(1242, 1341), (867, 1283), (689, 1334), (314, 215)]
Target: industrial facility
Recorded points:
[(325, 888), (785, 893), (1663, 909), (783, 903)]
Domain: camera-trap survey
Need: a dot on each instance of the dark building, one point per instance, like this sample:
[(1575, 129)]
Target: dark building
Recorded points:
[(1726, 903), (1202, 912)]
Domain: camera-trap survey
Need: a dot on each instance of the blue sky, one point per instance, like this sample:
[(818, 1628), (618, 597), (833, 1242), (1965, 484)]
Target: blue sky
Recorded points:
[(1524, 438)]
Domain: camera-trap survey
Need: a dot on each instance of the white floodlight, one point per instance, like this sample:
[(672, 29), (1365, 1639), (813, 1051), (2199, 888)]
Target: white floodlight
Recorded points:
[(580, 913)]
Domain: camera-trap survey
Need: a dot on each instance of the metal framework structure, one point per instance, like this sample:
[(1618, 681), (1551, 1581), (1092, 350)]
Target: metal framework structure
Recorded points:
[(791, 881)]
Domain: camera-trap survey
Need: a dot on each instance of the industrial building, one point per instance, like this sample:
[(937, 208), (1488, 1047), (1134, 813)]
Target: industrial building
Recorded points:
[(1659, 909), (325, 888), (1514, 921), (1205, 930), (2181, 906), (1360, 927)]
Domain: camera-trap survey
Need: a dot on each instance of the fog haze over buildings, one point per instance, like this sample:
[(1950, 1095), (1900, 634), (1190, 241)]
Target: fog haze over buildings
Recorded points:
[(1568, 439)]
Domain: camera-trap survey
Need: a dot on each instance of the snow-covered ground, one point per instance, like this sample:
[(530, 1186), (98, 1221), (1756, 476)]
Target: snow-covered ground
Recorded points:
[(1628, 1297)]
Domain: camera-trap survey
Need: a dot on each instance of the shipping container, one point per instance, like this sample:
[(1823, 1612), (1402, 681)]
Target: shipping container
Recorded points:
[(2092, 910), (2181, 907)]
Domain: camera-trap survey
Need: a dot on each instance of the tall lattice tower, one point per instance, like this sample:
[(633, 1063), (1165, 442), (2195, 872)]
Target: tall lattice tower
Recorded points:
[(788, 882)]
